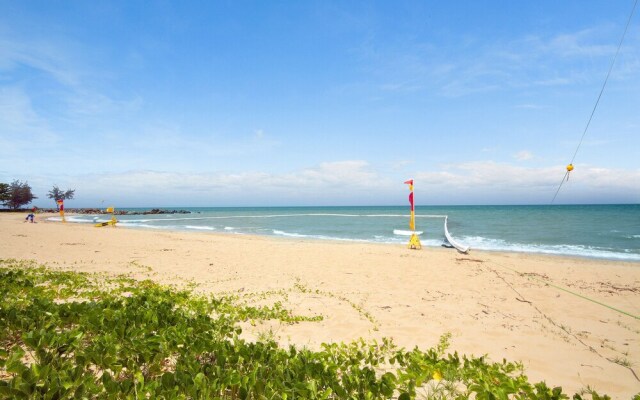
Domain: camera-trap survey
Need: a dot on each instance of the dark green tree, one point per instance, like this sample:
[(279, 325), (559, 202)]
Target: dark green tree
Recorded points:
[(56, 194), (4, 193), (19, 195)]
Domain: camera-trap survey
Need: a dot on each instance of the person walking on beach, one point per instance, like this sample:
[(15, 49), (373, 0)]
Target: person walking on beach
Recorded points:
[(29, 218)]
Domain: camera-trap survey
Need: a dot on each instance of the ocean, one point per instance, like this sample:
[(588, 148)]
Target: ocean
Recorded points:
[(594, 231)]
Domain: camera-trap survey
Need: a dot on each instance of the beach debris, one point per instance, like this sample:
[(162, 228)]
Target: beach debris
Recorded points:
[(469, 259)]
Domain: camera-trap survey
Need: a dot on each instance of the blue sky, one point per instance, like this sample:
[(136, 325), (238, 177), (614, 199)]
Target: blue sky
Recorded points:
[(244, 103)]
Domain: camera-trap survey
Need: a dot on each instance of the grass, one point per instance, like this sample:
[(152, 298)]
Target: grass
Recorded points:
[(75, 335), (624, 361)]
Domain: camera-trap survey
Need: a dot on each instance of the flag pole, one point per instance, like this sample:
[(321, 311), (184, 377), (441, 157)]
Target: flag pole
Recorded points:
[(414, 241)]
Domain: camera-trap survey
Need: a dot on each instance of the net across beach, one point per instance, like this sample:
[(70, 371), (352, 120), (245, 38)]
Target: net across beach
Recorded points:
[(597, 231)]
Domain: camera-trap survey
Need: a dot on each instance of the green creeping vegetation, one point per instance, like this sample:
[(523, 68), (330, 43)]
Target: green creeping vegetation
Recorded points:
[(74, 335), (244, 299), (365, 314)]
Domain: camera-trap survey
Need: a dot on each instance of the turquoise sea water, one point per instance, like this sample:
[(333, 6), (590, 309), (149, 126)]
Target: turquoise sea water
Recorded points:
[(599, 231)]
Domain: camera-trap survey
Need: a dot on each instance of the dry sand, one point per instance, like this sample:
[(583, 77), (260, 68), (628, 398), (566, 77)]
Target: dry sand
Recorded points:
[(492, 303)]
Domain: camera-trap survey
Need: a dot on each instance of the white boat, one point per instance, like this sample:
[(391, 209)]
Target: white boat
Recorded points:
[(460, 247)]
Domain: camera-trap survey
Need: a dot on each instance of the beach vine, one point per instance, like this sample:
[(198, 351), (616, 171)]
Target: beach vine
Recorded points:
[(67, 334)]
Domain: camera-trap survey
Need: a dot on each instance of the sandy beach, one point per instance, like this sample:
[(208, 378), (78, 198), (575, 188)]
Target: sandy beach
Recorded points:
[(506, 305)]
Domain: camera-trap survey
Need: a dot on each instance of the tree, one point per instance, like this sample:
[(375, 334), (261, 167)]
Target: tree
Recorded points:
[(19, 195), (4, 193), (57, 194)]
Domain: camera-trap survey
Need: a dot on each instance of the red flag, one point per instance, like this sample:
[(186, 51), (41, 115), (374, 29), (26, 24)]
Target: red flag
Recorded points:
[(409, 182), (411, 201)]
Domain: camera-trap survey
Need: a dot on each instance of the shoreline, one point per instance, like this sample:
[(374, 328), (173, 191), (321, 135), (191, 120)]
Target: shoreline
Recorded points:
[(494, 303), (355, 241)]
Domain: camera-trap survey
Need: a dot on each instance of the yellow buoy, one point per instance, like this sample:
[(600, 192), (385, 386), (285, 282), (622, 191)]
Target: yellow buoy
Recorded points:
[(569, 167)]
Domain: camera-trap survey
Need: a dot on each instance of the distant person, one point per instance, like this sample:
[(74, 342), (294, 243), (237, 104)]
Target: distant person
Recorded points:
[(29, 218)]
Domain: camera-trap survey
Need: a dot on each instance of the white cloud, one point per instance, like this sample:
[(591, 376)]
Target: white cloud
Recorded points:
[(339, 174), (353, 182), (505, 178), (523, 155), (400, 164), (327, 182), (529, 106), (489, 175)]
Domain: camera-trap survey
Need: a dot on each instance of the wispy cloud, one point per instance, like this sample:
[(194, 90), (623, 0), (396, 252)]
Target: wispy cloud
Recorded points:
[(166, 138), (21, 126), (582, 43), (400, 164), (40, 55), (83, 102), (523, 155), (535, 60), (56, 71), (529, 106)]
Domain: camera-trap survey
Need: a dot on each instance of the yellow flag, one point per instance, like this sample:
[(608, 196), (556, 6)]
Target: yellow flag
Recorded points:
[(110, 209)]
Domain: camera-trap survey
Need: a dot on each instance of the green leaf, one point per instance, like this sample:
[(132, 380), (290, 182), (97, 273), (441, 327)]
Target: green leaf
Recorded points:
[(168, 380), (14, 362), (199, 379)]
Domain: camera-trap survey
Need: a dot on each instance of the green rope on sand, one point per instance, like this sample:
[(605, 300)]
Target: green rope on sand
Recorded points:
[(570, 292)]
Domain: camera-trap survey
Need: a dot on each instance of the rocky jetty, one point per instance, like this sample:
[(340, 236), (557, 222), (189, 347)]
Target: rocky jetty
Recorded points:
[(159, 211), (153, 211)]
